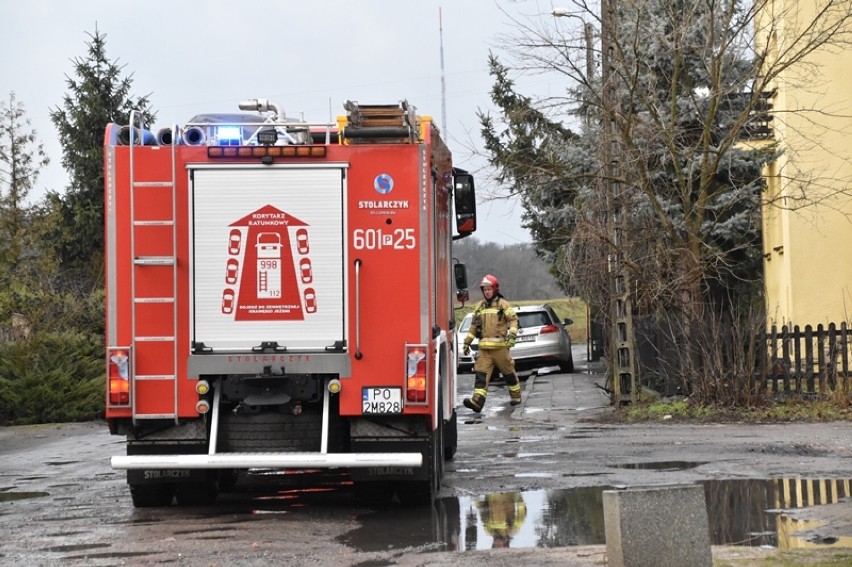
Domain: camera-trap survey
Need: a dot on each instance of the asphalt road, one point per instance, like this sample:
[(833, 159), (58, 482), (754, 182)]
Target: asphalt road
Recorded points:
[(60, 503)]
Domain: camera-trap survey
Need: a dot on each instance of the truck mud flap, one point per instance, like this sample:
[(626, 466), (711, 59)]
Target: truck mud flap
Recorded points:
[(392, 472), (157, 476)]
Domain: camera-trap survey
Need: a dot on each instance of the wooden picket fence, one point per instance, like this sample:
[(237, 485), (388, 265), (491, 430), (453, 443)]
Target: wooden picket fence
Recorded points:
[(810, 362)]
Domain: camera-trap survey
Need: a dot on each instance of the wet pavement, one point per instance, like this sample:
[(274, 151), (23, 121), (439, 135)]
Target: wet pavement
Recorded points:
[(767, 510), (565, 399), (526, 486)]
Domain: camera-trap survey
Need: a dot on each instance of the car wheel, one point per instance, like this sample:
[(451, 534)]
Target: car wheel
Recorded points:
[(567, 367)]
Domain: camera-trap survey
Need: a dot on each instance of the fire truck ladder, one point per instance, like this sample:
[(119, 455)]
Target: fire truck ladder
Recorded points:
[(370, 124), (162, 263)]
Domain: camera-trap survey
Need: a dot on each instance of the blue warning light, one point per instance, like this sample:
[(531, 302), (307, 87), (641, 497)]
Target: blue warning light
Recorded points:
[(229, 135)]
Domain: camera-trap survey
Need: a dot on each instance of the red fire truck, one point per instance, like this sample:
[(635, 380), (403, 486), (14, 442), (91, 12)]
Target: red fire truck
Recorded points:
[(279, 295)]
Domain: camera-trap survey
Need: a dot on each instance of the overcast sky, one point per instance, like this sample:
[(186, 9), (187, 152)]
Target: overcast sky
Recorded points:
[(309, 56)]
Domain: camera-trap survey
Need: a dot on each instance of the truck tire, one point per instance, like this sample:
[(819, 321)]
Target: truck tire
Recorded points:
[(451, 437), (196, 493), (375, 493), (271, 431), (152, 495), (424, 492), (228, 479)]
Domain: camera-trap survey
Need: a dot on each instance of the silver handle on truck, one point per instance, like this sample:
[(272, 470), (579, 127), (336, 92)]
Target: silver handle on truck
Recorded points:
[(358, 354)]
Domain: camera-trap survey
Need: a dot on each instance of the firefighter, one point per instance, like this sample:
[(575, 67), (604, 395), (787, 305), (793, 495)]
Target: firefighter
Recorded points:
[(495, 324)]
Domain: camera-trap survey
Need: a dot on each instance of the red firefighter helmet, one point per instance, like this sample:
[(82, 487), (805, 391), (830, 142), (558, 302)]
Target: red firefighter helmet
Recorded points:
[(490, 280)]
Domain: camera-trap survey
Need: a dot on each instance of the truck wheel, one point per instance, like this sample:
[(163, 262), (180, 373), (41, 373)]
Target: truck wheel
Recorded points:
[(373, 493), (451, 438), (152, 495), (228, 479), (424, 492), (196, 493)]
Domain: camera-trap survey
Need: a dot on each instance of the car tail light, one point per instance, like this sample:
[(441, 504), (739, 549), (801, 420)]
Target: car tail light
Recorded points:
[(118, 376), (549, 329), (415, 374)]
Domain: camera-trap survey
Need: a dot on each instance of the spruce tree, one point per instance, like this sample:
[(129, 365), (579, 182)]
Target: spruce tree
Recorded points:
[(98, 93)]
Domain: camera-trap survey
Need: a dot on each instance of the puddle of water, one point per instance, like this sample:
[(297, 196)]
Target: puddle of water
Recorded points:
[(118, 555), (749, 512), (660, 465), (494, 456), (10, 496), (740, 512), (204, 531), (793, 526), (66, 534), (76, 547), (535, 475)]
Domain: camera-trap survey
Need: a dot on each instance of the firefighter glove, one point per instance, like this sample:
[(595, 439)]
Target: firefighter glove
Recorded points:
[(510, 342), (466, 349)]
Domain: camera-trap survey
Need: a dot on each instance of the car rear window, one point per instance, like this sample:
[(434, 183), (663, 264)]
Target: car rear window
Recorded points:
[(533, 319)]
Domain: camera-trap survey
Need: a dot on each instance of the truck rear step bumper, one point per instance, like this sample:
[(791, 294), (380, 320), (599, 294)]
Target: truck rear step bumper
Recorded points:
[(268, 460)]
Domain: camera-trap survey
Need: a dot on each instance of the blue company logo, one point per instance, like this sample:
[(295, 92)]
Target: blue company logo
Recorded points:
[(383, 183)]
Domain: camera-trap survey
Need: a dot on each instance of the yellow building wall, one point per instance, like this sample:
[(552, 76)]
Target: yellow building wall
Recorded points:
[(808, 249)]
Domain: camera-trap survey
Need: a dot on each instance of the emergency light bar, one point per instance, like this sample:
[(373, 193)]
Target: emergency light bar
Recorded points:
[(229, 135), (264, 151)]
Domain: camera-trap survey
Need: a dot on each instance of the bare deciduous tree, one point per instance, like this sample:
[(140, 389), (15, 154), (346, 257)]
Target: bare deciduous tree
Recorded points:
[(21, 159), (692, 130)]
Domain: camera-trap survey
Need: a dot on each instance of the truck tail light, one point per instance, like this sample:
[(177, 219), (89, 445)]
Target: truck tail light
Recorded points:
[(416, 377), (118, 376)]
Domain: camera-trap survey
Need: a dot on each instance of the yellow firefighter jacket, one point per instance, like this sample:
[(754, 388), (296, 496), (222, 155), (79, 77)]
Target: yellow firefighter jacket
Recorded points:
[(493, 323)]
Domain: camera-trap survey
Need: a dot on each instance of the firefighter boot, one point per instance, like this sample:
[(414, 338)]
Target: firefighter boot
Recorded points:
[(480, 390), (514, 386), (475, 403)]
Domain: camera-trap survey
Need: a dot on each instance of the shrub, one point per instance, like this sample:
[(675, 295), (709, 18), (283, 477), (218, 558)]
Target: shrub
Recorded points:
[(52, 377)]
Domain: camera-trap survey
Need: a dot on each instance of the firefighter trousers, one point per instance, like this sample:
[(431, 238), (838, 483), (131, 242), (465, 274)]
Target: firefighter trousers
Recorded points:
[(487, 362)]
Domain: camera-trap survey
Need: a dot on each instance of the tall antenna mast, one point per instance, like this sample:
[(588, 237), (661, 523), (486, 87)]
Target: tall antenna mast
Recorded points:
[(443, 82)]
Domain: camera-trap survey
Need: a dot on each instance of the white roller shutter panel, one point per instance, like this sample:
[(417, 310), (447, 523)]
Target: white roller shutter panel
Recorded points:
[(234, 310)]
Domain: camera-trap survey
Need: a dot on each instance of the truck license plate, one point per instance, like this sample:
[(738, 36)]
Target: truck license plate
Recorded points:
[(381, 400)]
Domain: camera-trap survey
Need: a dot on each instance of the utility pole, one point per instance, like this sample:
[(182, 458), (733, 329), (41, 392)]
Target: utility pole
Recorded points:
[(622, 349), (444, 132), (589, 39)]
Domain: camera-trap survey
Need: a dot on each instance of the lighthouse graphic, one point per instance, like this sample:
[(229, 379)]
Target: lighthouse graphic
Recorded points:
[(271, 272)]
